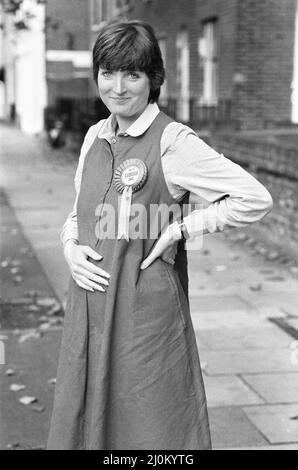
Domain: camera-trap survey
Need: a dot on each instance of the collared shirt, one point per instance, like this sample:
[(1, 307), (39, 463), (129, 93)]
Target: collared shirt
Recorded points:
[(227, 195)]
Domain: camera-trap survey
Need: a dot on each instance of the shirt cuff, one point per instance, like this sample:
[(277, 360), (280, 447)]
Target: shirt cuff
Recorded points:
[(196, 223)]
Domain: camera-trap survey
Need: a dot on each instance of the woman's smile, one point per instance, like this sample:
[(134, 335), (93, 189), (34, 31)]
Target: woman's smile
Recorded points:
[(120, 100)]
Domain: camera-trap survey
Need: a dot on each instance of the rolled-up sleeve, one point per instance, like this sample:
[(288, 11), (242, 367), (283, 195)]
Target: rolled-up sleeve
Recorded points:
[(70, 227), (229, 195)]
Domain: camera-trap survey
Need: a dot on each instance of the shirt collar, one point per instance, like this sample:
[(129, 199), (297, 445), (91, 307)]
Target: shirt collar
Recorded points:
[(137, 128)]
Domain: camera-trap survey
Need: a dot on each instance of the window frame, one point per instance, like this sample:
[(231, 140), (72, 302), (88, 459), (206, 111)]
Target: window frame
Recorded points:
[(209, 60)]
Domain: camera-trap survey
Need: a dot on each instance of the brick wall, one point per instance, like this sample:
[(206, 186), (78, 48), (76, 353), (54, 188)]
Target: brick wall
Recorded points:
[(169, 17), (225, 12), (264, 62), (276, 166), (68, 24), (68, 29), (256, 48)]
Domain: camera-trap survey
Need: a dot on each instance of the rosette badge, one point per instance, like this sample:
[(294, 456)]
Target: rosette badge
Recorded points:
[(130, 176)]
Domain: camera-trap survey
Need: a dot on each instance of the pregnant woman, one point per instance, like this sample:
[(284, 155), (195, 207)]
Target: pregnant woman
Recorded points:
[(129, 374)]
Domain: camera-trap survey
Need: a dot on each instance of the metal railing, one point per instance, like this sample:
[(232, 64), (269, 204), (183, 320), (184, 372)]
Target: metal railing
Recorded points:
[(79, 114), (199, 115)]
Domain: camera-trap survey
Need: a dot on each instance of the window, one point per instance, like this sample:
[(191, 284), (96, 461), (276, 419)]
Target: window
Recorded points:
[(123, 6), (98, 12), (182, 47), (208, 53)]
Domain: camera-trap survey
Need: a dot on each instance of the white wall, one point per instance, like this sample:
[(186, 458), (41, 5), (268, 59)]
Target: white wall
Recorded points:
[(25, 73), (30, 73)]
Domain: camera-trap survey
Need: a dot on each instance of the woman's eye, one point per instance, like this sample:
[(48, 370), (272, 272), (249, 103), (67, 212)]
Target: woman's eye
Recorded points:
[(106, 74), (134, 75)]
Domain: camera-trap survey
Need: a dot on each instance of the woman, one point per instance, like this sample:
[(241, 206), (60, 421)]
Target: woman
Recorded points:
[(129, 373)]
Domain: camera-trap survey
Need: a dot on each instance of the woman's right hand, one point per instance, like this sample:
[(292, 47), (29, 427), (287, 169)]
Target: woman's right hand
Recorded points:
[(86, 274)]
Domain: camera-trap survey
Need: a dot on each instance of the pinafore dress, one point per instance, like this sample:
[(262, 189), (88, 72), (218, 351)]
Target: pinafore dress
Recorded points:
[(129, 374)]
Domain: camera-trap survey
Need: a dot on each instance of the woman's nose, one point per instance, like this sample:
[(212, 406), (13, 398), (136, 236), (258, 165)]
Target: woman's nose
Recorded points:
[(119, 84)]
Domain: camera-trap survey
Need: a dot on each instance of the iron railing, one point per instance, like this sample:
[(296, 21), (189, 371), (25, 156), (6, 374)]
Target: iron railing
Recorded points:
[(79, 114)]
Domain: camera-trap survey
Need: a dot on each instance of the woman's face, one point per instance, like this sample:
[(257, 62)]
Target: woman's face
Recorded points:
[(124, 93)]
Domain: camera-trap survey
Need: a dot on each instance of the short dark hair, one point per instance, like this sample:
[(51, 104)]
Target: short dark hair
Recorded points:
[(130, 45)]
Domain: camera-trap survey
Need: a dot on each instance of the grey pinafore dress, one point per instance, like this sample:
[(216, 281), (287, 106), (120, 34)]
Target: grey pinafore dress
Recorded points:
[(129, 374)]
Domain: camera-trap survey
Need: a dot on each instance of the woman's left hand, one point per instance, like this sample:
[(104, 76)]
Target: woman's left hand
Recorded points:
[(164, 245)]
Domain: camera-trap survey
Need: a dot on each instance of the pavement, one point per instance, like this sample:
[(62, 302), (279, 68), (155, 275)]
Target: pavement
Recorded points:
[(243, 296)]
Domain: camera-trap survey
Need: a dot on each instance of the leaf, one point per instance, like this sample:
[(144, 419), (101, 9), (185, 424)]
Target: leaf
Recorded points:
[(33, 308), (272, 256), (56, 321), (14, 270), (55, 310), (294, 269), (220, 268), (44, 326), (15, 445), (27, 400), (17, 387), (29, 335), (261, 250), (47, 302), (17, 332)]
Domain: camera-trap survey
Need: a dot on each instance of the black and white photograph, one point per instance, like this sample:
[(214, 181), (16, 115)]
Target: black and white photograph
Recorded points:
[(149, 227)]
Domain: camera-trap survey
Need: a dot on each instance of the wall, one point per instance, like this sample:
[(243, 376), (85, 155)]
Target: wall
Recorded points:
[(256, 50), (157, 13), (68, 43), (275, 164), (264, 62)]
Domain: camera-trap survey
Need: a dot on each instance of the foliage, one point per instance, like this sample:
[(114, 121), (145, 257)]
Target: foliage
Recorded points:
[(12, 6)]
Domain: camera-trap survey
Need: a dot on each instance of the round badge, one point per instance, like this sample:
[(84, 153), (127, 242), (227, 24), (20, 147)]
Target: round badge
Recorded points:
[(132, 173)]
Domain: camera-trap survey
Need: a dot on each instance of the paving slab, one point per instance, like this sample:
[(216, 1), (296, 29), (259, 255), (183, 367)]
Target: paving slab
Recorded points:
[(229, 391), (229, 319), (230, 427), (275, 388), (206, 303), (275, 422), (285, 300), (248, 361), (271, 447), (225, 338), (34, 362)]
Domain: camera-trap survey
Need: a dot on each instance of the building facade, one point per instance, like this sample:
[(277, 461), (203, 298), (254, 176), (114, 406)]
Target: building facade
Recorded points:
[(230, 63), (23, 94), (227, 61)]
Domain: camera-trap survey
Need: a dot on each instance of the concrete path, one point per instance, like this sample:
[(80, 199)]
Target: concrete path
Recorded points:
[(243, 296)]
